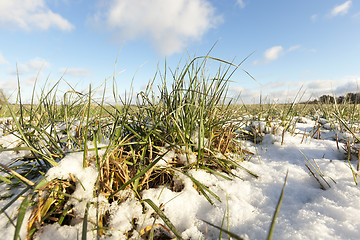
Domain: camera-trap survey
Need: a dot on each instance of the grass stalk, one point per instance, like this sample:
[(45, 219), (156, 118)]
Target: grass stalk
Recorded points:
[(276, 214)]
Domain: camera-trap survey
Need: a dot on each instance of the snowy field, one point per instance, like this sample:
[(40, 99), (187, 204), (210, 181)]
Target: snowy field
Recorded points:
[(178, 161), (320, 202)]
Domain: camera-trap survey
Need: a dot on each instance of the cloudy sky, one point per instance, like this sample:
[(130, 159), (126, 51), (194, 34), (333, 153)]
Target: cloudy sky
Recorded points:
[(304, 44)]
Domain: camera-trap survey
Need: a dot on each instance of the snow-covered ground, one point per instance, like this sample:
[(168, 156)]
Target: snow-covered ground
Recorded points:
[(247, 203)]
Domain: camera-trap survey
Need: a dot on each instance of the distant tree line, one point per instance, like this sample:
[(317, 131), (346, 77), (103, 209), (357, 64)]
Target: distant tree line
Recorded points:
[(353, 98)]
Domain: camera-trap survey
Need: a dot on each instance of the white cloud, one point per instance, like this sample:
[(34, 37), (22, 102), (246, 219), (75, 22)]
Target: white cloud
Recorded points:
[(293, 48), (356, 15), (273, 53), (285, 92), (241, 3), (314, 17), (348, 84), (31, 14), (341, 9), (168, 24), (8, 84), (33, 65), (76, 72), (2, 59), (336, 87), (247, 95), (37, 63)]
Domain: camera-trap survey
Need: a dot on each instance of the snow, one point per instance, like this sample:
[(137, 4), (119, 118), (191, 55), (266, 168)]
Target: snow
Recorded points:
[(247, 204)]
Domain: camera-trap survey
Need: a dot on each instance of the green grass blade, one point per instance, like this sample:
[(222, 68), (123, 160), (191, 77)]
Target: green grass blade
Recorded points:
[(23, 135), (85, 222), (346, 126), (137, 176), (215, 173), (233, 235), (5, 180), (232, 162), (222, 225), (272, 226), (14, 199), (21, 215), (203, 189), (354, 173), (87, 129), (164, 218), (16, 149), (17, 175)]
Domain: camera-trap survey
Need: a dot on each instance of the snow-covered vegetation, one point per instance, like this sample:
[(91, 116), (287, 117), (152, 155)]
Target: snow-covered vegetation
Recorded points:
[(180, 161)]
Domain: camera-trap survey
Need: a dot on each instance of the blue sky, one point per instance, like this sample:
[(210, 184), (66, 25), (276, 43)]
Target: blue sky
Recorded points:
[(310, 44)]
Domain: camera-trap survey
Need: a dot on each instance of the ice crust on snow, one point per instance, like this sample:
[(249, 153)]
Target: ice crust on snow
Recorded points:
[(247, 204)]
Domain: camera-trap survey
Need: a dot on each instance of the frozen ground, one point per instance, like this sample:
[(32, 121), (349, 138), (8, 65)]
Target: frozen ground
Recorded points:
[(247, 204)]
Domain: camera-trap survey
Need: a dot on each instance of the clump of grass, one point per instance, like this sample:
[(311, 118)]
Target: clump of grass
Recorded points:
[(189, 117), (272, 118), (186, 123), (47, 128), (316, 173), (51, 205)]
